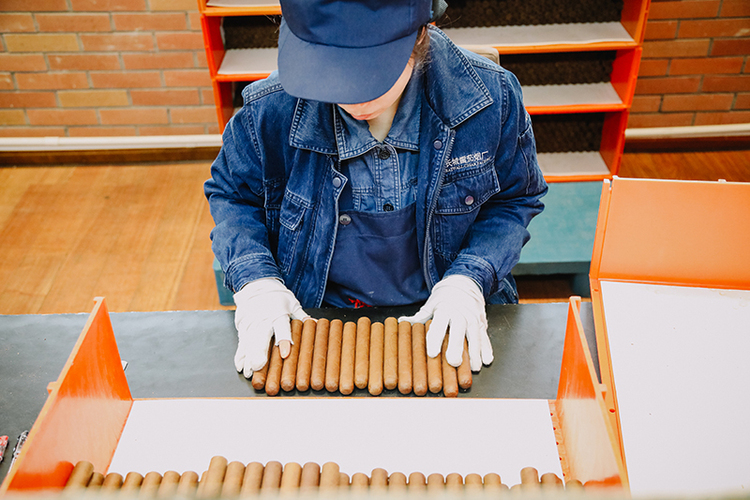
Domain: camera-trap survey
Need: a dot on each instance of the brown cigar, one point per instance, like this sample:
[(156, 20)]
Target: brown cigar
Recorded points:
[(492, 481), (390, 354), (463, 371), (435, 482), (304, 363), (271, 476), (375, 382), (97, 479), (290, 476), (201, 485), (450, 378), (310, 476), (333, 360), (419, 359), (80, 475), (362, 353), (330, 476), (344, 480), (404, 358), (360, 481), (549, 480), (529, 478), (132, 482), (320, 350), (574, 485), (397, 481), (273, 377), (289, 366), (259, 376), (112, 482), (348, 344), (188, 484), (252, 480), (150, 485), (378, 479), (434, 368), (454, 481), (233, 480), (473, 481), (211, 487), (169, 483), (417, 481)]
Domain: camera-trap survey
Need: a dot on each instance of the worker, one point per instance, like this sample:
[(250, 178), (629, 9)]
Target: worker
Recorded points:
[(381, 165)]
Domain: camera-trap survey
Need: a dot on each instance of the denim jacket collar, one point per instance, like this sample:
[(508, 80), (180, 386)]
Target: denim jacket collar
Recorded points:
[(353, 137), (460, 94)]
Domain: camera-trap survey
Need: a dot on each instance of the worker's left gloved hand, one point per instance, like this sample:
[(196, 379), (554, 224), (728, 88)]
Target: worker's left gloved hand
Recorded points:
[(456, 302), (264, 310)]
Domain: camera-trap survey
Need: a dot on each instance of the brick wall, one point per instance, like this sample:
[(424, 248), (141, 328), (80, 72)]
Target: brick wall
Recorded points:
[(103, 67), (137, 67), (696, 65)]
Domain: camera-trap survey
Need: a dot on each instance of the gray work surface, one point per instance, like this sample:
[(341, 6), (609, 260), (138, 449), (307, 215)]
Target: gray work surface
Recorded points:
[(190, 354)]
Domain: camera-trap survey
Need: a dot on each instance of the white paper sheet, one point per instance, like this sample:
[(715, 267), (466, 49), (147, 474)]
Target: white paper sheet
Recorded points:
[(680, 359), (398, 434)]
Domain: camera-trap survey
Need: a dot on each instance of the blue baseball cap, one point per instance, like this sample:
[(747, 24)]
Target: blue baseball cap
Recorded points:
[(347, 51)]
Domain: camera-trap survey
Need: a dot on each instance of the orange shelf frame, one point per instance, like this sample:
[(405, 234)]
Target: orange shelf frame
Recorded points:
[(564, 47), (269, 9)]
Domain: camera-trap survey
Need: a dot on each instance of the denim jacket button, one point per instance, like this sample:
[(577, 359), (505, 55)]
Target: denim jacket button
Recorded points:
[(345, 219), (388, 207), (337, 182), (469, 200), (438, 144), (384, 153)]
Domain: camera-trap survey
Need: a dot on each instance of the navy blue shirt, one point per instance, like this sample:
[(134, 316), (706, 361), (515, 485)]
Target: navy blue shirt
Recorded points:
[(376, 260)]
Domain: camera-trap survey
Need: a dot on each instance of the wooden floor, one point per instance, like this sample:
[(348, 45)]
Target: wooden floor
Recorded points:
[(138, 235)]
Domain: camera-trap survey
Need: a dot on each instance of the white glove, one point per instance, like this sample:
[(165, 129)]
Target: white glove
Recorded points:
[(264, 309), (456, 302)]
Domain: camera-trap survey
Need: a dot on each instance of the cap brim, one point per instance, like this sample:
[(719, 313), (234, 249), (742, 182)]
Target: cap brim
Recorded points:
[(340, 75)]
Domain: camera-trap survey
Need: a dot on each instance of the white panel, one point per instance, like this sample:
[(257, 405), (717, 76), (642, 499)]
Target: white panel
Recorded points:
[(570, 95), (244, 61), (360, 434), (545, 34), (241, 3), (572, 163), (682, 375)]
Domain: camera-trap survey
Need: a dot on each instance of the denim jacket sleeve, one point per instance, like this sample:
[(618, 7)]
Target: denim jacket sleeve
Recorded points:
[(236, 197), (492, 246)]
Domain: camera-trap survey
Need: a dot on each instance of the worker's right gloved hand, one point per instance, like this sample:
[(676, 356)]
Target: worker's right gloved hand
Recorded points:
[(265, 308), (456, 302)]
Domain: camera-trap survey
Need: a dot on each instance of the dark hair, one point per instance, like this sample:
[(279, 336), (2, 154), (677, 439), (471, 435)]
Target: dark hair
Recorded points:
[(421, 51)]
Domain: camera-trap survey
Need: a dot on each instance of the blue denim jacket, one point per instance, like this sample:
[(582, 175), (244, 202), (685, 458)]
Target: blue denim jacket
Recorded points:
[(275, 185)]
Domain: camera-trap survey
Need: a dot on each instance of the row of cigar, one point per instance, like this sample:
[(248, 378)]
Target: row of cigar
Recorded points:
[(338, 356), (234, 480)]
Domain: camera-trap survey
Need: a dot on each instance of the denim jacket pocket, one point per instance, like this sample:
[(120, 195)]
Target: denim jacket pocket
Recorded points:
[(458, 206), (291, 217), (465, 190)]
